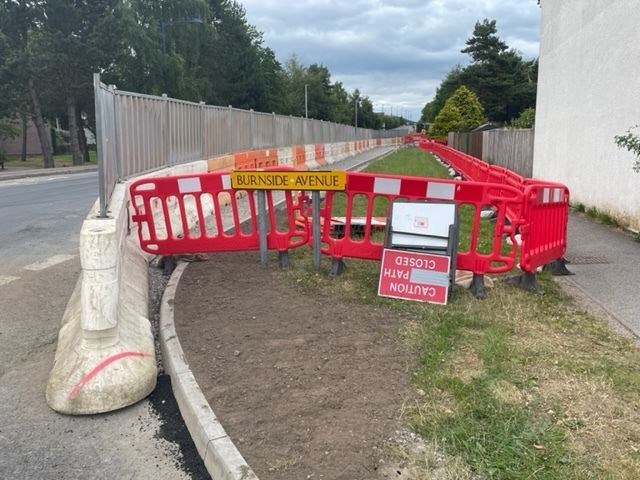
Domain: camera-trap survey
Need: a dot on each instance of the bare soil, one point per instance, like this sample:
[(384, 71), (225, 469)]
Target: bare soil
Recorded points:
[(306, 386)]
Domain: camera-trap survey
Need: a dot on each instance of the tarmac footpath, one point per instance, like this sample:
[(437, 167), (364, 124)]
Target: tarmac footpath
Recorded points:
[(606, 264)]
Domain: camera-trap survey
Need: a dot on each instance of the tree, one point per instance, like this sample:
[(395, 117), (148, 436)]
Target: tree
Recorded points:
[(449, 119), (526, 119), (484, 45), (66, 43), (499, 76), (18, 18), (471, 111), (340, 109), (446, 88), (504, 83)]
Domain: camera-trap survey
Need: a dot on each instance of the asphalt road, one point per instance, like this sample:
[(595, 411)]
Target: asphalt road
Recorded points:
[(40, 219), (42, 216)]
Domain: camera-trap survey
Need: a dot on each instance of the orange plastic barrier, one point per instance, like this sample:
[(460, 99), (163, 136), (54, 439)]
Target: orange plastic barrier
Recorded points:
[(320, 156)]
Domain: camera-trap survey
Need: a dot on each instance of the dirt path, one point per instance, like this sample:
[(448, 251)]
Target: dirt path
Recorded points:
[(307, 387)]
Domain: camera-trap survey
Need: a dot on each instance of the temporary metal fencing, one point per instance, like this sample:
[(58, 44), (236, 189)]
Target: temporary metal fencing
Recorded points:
[(137, 133)]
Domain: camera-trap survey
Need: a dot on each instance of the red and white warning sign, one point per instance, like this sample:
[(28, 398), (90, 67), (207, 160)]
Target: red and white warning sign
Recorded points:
[(422, 277)]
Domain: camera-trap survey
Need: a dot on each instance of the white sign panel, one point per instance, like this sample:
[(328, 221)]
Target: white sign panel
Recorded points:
[(423, 225)]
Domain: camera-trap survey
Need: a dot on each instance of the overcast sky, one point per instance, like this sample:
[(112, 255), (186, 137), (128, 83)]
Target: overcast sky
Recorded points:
[(395, 51)]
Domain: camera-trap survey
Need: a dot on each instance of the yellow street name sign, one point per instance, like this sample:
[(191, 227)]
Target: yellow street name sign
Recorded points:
[(288, 180)]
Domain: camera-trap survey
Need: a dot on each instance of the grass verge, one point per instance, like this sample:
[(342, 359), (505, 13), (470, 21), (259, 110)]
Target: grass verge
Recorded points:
[(37, 161), (517, 386)]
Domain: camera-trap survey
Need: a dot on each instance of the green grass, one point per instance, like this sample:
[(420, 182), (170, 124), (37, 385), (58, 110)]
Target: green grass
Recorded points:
[(411, 162), (517, 386), (37, 161)]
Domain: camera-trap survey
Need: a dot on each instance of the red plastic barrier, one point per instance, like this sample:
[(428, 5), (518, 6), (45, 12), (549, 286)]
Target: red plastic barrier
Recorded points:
[(186, 214), (544, 233), (544, 212), (413, 138), (369, 188)]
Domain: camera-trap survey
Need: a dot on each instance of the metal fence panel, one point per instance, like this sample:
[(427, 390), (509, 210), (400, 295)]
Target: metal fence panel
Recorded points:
[(216, 131), (137, 133)]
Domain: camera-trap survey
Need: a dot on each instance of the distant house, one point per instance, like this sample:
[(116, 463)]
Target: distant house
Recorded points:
[(13, 146), (588, 92)]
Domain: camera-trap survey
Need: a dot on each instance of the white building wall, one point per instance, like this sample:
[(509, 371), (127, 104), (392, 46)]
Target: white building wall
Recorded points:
[(588, 92)]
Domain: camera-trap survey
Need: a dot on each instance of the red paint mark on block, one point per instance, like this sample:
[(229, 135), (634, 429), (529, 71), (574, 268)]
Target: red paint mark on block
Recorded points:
[(87, 377)]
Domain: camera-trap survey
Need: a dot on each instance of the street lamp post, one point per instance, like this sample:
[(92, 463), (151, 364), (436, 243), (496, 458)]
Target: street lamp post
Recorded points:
[(356, 109), (164, 24), (306, 103)]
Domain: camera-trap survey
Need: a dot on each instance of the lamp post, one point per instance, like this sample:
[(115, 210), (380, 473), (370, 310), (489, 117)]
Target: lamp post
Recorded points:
[(164, 24), (356, 110), (306, 103)]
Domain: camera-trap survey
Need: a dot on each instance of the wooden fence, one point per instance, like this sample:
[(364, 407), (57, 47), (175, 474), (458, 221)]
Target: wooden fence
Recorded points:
[(509, 148)]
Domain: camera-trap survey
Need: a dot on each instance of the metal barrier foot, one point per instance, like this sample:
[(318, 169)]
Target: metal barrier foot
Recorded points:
[(558, 267), (283, 259), (338, 267), (527, 281), (477, 286)]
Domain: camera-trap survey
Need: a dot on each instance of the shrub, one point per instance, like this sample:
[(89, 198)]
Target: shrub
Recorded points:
[(630, 141)]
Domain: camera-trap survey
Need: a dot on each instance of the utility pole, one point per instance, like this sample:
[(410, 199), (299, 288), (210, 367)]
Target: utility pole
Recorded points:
[(306, 102), (355, 101)]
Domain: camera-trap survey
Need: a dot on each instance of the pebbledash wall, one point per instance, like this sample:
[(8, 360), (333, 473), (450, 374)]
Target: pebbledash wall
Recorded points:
[(588, 92), (105, 358)]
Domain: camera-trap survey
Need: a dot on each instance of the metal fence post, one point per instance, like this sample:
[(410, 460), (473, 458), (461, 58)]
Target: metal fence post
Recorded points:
[(166, 130), (99, 152), (274, 140), (202, 131), (230, 129), (116, 139), (251, 130)]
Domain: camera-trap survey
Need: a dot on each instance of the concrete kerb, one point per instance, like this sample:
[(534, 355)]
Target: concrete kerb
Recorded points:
[(45, 172), (221, 457)]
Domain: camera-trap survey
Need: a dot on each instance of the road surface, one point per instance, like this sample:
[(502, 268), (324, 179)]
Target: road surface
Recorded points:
[(40, 219)]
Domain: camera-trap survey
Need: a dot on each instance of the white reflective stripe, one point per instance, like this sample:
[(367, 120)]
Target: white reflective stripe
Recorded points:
[(189, 185), (557, 194), (545, 195), (387, 185), (441, 190), (49, 262), (429, 277), (4, 279), (226, 182)]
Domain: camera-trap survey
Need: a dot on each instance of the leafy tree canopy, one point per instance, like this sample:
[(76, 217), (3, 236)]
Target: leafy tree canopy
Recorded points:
[(467, 103), (449, 119)]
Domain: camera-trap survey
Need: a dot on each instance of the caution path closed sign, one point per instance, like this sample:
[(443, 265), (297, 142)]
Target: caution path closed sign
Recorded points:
[(408, 275)]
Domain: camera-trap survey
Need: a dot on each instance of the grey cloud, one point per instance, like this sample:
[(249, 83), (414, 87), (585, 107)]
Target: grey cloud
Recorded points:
[(396, 52)]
